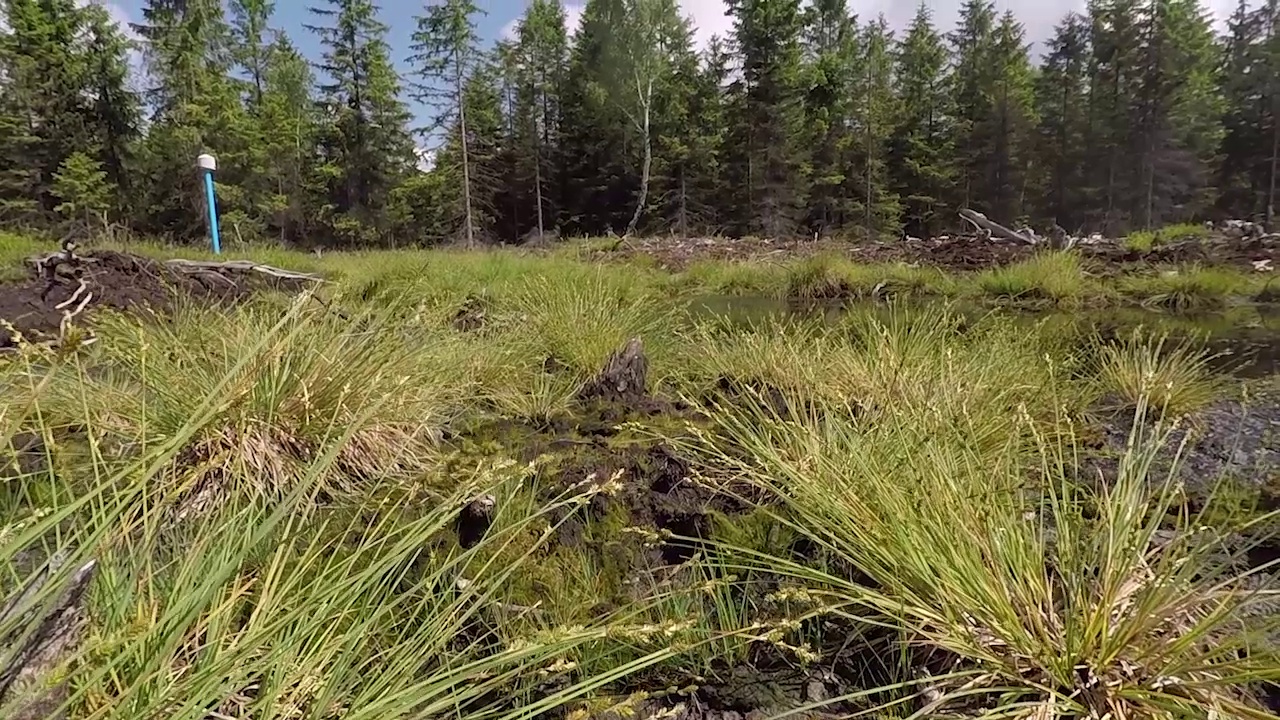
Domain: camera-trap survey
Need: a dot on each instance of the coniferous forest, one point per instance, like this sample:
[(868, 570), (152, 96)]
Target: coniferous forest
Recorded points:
[(806, 120)]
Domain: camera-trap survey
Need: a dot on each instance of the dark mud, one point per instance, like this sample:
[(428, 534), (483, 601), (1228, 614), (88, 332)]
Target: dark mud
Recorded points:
[(1229, 440), (956, 253), (119, 281), (1226, 461)]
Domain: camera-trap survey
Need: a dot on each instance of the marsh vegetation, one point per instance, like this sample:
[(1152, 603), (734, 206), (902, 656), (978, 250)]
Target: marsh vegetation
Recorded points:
[(397, 494)]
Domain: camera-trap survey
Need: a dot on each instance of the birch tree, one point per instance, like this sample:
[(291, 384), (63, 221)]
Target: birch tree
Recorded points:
[(638, 64), (446, 51)]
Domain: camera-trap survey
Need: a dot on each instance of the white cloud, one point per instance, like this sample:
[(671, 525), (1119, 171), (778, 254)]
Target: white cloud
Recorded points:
[(426, 158), (709, 18)]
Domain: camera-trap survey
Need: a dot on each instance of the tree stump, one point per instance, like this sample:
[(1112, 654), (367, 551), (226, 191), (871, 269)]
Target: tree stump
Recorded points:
[(623, 379), (470, 316), (474, 520)]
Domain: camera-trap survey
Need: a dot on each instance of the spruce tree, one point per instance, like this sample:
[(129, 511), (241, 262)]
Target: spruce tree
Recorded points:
[(251, 43), (1178, 110), (540, 55), (287, 120), (1247, 170), (873, 115), (364, 144), (196, 109), (483, 168), (1115, 37), (831, 49), (920, 148), (972, 46), (1008, 140), (117, 108), (600, 182), (83, 190), (769, 119), (44, 93), (1061, 102), (687, 141)]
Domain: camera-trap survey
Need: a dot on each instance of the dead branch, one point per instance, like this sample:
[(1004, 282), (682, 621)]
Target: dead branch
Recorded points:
[(982, 223)]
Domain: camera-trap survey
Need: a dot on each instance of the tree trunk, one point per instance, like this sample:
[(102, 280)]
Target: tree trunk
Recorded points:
[(1270, 221), (537, 189), (683, 223), (867, 125), (1275, 167), (466, 162), (644, 168)]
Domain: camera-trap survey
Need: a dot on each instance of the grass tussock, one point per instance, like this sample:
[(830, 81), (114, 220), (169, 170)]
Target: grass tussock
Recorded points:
[(1055, 278), (1044, 599), (734, 278), (832, 277), (1145, 241), (820, 277), (285, 385), (1189, 288), (1172, 378), (581, 323)]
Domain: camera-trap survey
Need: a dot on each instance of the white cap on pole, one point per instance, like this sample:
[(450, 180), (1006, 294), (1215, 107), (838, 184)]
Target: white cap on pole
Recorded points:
[(206, 162)]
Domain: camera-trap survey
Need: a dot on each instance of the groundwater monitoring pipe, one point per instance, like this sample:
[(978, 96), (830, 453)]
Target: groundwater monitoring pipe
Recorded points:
[(207, 165)]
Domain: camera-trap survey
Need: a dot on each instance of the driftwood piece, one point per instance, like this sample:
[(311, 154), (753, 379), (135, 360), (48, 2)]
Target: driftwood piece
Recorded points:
[(981, 222), (624, 377), (28, 660)]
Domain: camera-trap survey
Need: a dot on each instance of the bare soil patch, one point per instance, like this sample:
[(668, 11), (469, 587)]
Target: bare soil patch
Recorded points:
[(76, 286)]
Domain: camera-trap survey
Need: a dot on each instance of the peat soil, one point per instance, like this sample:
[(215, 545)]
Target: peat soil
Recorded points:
[(105, 279), (641, 535), (947, 252)]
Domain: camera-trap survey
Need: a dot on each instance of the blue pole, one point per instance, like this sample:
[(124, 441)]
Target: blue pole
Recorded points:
[(213, 212)]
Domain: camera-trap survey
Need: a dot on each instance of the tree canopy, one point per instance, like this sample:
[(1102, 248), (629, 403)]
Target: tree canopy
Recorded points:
[(803, 120)]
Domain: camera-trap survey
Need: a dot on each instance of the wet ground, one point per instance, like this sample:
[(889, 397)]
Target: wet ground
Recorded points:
[(950, 252), (1244, 341)]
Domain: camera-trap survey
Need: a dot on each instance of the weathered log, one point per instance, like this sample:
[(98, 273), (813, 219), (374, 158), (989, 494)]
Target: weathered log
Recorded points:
[(45, 646), (624, 378), (981, 222), (198, 267), (46, 265)]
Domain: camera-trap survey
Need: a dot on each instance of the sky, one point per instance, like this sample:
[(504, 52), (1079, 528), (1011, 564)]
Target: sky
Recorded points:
[(501, 16)]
